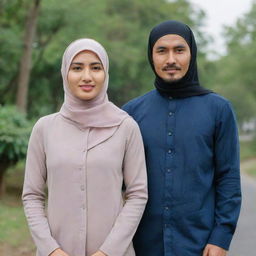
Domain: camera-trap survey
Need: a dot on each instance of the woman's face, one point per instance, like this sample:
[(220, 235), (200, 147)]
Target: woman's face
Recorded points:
[(86, 75)]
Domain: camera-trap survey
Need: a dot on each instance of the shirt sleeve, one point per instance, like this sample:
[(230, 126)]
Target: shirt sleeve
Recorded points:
[(34, 194), (135, 179), (227, 179)]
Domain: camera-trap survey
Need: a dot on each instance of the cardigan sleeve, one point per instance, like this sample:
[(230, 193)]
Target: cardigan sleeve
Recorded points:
[(34, 194), (227, 179), (135, 179)]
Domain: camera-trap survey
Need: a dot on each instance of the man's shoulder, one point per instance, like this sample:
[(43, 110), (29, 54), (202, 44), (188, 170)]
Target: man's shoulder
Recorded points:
[(216, 100), (137, 102)]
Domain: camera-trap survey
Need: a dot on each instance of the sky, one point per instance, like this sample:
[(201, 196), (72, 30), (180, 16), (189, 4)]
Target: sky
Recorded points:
[(219, 13)]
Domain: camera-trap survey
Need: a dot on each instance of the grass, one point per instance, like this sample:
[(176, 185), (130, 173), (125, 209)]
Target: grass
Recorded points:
[(13, 227), (248, 155), (15, 238), (252, 171), (247, 149)]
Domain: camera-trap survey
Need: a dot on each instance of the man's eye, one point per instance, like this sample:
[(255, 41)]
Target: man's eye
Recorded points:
[(180, 50)]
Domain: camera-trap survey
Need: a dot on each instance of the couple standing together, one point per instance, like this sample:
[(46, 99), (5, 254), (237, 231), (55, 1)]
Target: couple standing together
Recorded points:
[(101, 173)]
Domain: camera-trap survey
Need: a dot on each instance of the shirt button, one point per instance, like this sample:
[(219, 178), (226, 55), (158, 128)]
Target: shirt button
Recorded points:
[(82, 187), (83, 206), (166, 208), (170, 133), (168, 170), (170, 97), (169, 151), (170, 113)]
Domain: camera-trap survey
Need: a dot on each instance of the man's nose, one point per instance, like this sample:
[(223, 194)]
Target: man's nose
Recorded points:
[(171, 58)]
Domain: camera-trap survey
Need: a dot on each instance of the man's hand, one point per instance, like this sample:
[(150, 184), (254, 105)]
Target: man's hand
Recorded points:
[(213, 250), (58, 252), (99, 253)]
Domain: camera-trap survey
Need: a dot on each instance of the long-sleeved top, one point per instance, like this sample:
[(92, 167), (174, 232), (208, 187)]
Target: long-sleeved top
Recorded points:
[(192, 157), (87, 208)]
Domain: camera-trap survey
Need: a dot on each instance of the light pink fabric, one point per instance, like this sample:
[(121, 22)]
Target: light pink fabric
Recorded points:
[(84, 167), (98, 112)]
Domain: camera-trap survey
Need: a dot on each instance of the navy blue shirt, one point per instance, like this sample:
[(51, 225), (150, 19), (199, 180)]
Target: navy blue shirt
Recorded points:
[(192, 156)]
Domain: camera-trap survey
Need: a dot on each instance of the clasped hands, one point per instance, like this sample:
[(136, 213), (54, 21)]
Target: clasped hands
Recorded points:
[(59, 252), (210, 250)]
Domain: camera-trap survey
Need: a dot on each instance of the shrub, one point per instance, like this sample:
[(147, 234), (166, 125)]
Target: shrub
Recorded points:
[(14, 135)]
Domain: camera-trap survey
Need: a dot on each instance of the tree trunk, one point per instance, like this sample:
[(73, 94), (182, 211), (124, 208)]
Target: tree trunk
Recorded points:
[(3, 167), (26, 59)]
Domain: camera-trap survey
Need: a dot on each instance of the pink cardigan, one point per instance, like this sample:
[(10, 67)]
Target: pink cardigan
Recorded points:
[(86, 211)]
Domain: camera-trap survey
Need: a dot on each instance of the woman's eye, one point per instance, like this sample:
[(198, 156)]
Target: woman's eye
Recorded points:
[(76, 68), (97, 68)]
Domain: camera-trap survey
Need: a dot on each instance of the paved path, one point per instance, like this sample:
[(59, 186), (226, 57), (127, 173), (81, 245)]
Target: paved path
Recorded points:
[(244, 241)]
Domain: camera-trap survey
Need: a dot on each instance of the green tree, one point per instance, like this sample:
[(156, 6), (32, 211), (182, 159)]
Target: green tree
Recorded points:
[(14, 135), (121, 26), (235, 73)]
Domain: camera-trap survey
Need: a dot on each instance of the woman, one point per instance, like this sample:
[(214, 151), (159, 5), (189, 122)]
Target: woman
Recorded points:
[(84, 154)]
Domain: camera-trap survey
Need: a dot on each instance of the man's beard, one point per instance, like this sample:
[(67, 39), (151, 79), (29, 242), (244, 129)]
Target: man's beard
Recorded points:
[(171, 80)]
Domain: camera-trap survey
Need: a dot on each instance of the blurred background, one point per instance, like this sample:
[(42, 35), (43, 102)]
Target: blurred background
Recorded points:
[(33, 37)]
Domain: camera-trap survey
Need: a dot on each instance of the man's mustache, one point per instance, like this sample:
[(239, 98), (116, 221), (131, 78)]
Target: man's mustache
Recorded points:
[(171, 66)]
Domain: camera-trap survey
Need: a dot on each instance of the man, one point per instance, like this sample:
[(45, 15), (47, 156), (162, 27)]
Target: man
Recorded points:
[(192, 154)]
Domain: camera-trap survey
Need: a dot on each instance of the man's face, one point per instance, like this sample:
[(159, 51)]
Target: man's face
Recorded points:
[(171, 57)]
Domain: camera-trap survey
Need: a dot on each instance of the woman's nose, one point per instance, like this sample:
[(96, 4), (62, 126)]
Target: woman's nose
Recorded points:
[(86, 75)]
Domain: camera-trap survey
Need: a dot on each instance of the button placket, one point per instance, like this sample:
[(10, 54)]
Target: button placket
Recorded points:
[(170, 149)]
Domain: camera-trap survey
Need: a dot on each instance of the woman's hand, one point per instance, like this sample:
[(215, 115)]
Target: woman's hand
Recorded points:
[(99, 253), (58, 252)]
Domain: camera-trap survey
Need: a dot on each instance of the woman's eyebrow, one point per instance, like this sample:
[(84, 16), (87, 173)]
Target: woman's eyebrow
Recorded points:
[(77, 63), (96, 63)]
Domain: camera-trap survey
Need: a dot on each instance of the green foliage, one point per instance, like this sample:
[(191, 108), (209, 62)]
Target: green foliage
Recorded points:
[(14, 134), (121, 26), (235, 73)]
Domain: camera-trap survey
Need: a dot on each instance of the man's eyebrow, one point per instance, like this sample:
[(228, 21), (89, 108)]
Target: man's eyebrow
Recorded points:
[(180, 46), (160, 47)]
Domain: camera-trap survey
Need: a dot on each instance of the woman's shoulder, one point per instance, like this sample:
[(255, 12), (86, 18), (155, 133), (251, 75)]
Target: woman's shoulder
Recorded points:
[(45, 121), (129, 126)]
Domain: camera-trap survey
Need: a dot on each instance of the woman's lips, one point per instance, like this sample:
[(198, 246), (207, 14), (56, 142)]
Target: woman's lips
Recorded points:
[(86, 87)]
